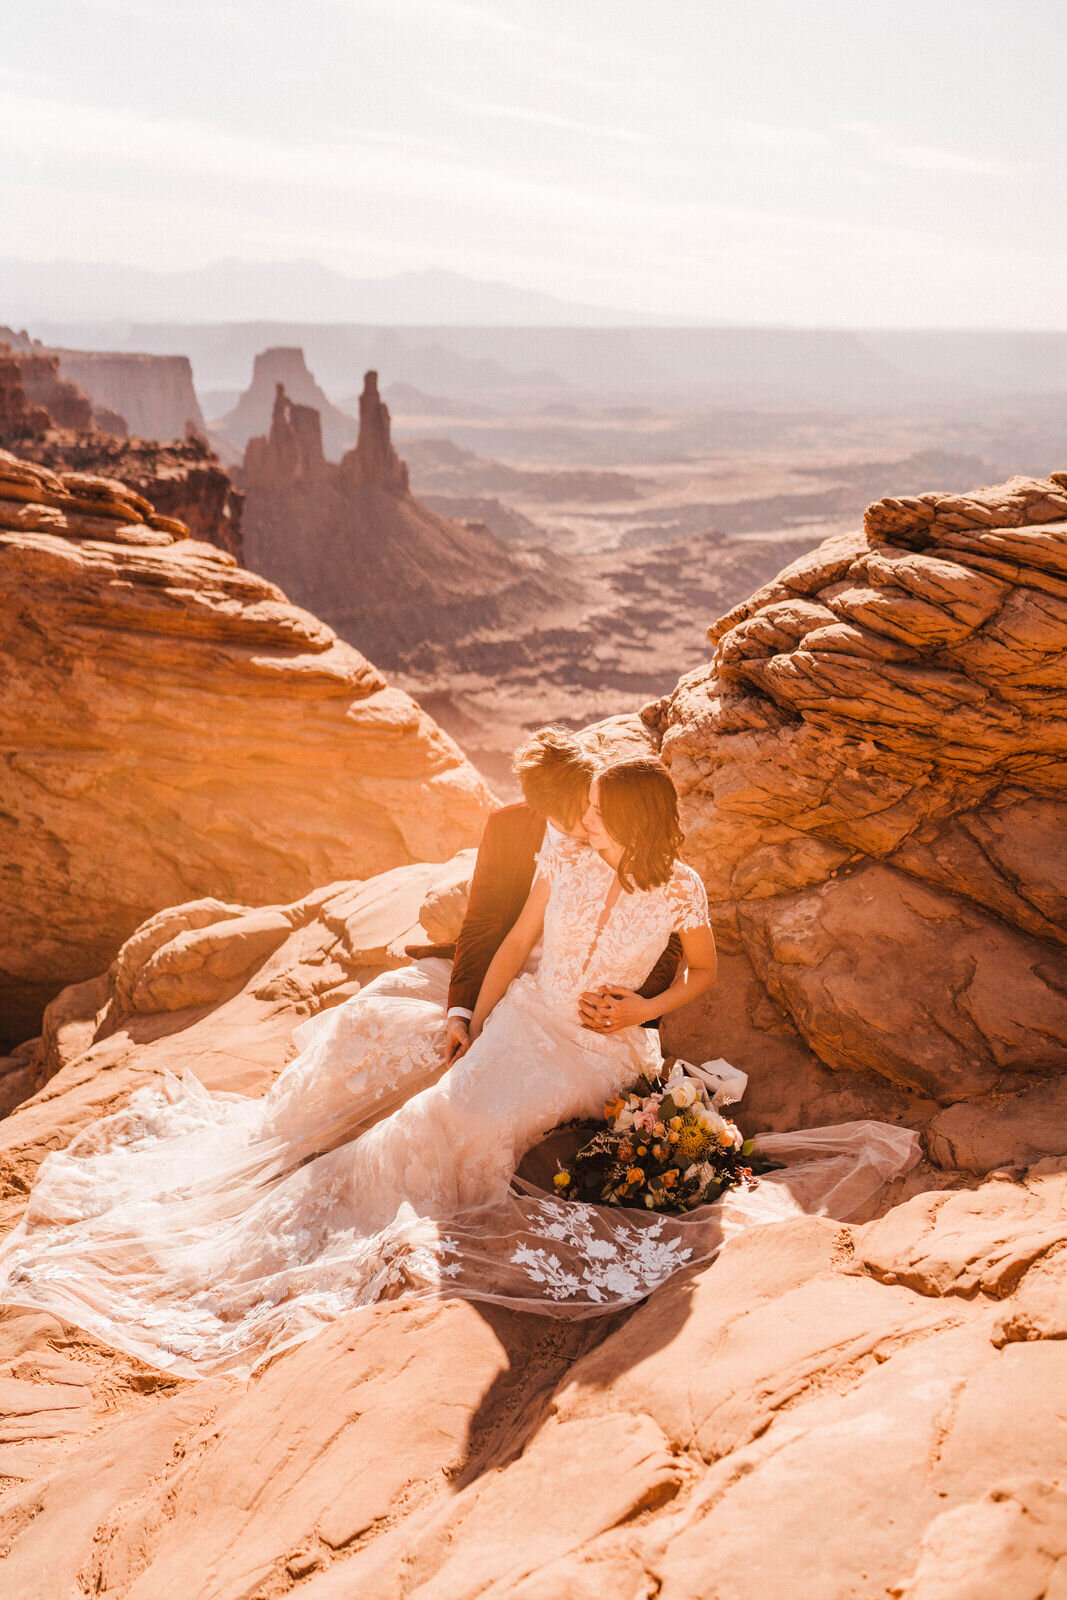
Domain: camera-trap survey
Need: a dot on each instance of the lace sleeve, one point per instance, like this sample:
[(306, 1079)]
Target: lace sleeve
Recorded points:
[(552, 859), (689, 900)]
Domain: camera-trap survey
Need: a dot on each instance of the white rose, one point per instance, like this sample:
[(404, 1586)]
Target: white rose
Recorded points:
[(624, 1120), (708, 1119), (685, 1093)]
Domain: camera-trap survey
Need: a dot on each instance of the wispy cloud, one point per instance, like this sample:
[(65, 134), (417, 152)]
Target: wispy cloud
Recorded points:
[(543, 118), (779, 139), (890, 152)]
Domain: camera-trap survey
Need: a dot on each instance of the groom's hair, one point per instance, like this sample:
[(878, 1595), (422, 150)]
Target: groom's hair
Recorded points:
[(554, 771), (638, 806)]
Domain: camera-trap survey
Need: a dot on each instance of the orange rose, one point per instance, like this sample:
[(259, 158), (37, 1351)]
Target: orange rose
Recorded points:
[(726, 1138), (670, 1179), (613, 1107), (635, 1176)]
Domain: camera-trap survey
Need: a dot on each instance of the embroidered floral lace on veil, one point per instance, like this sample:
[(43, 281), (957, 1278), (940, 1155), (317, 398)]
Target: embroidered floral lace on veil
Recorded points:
[(205, 1232)]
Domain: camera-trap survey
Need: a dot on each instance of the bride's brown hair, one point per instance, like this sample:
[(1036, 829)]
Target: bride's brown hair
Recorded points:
[(638, 806)]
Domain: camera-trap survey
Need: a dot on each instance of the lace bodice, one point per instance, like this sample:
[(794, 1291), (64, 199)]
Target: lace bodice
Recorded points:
[(633, 937)]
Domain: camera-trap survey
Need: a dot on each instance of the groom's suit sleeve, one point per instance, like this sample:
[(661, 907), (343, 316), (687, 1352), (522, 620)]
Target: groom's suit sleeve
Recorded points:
[(663, 973), (503, 873)]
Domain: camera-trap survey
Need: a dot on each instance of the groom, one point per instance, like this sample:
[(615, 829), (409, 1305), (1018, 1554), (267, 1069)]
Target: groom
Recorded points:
[(554, 773)]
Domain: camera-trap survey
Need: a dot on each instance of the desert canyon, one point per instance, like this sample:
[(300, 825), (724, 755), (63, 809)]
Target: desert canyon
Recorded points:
[(219, 816)]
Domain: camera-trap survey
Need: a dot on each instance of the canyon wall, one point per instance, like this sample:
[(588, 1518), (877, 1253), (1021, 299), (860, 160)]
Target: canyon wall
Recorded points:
[(154, 394), (874, 787), (49, 420), (171, 726), (352, 543)]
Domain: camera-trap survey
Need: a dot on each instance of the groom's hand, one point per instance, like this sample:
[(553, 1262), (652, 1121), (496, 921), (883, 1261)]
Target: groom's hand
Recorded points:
[(609, 1009), (457, 1038)]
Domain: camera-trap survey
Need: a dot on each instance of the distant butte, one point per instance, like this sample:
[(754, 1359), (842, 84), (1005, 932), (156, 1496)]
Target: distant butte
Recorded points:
[(251, 416), (351, 542)]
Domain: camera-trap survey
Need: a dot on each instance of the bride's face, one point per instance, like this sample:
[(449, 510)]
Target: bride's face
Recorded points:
[(599, 837)]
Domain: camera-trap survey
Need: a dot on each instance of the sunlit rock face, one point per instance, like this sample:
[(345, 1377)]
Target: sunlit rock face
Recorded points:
[(172, 727), (813, 1363), (873, 783)]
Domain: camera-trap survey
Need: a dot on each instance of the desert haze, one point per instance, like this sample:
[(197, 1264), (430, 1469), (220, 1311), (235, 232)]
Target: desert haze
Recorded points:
[(533, 783)]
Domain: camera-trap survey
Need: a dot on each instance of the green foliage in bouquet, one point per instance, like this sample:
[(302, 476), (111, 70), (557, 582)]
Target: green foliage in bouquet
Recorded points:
[(664, 1147)]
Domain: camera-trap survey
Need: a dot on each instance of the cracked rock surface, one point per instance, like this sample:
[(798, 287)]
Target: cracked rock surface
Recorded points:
[(873, 783), (171, 727)]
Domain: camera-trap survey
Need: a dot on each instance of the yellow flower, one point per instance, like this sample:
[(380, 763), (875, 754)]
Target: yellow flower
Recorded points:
[(692, 1139), (613, 1107), (561, 1180), (642, 1149)]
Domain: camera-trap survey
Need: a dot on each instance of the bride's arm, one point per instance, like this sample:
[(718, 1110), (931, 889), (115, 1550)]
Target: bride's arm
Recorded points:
[(511, 955), (624, 1008)]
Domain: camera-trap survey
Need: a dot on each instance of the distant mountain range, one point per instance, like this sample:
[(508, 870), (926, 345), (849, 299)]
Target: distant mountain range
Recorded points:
[(288, 291)]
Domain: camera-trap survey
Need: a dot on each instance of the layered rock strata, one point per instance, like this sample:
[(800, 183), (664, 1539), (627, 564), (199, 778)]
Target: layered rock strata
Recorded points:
[(49, 420), (34, 398), (351, 542), (183, 479), (689, 1450), (171, 727), (873, 785), (153, 393)]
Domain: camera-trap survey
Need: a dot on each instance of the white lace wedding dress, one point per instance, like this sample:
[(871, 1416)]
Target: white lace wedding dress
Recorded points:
[(205, 1232)]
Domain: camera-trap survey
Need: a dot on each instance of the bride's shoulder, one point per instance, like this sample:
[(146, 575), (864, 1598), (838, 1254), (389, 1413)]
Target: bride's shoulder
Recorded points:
[(686, 892), (561, 855)]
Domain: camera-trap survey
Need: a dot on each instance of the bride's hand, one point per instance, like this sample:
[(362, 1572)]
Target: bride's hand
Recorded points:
[(472, 1033), (608, 1010)]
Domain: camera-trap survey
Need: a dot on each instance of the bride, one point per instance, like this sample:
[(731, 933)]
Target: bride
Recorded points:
[(205, 1232)]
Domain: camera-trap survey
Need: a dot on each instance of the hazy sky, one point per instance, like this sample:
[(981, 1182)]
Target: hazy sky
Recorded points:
[(830, 162)]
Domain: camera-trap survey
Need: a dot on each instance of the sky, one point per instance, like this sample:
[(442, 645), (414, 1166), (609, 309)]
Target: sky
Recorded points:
[(831, 163)]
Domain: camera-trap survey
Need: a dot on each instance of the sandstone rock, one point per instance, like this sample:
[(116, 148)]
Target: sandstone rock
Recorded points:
[(898, 1372), (174, 728), (183, 480), (293, 448), (154, 394), (374, 460), (285, 368), (33, 396), (872, 783), (350, 541)]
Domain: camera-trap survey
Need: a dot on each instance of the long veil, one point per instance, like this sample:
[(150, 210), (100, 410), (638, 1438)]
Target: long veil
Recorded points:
[(206, 1232)]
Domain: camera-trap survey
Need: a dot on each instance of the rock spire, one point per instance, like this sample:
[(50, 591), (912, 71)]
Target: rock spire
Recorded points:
[(374, 461)]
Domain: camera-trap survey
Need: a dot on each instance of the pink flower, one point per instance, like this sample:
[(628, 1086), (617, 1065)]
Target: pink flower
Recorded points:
[(648, 1116)]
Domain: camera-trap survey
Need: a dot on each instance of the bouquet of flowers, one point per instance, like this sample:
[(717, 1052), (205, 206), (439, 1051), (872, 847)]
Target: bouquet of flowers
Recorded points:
[(663, 1146)]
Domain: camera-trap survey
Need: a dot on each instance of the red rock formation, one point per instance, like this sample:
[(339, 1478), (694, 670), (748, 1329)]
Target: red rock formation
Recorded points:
[(353, 544), (292, 451), (66, 404), (874, 785), (18, 418), (154, 394), (183, 480), (170, 727), (814, 1375), (33, 397), (374, 461), (252, 415)]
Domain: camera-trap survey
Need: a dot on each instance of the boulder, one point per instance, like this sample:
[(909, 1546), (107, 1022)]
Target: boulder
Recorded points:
[(873, 786), (896, 1371), (172, 728)]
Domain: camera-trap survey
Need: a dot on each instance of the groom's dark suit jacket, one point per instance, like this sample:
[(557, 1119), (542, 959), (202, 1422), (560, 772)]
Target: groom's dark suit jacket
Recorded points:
[(503, 874)]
